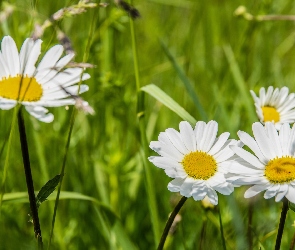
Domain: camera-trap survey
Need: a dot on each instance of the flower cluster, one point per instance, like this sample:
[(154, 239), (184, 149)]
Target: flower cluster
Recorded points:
[(202, 163)]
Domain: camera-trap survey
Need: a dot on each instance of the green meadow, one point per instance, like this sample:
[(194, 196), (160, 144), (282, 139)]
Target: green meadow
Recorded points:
[(199, 53)]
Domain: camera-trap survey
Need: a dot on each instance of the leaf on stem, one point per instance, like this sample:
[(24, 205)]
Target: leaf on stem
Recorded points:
[(47, 189)]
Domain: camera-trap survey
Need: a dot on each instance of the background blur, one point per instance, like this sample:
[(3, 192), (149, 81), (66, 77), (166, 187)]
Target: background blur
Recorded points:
[(222, 55)]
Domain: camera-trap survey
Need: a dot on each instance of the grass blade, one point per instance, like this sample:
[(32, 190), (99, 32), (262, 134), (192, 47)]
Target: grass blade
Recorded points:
[(162, 97), (189, 87)]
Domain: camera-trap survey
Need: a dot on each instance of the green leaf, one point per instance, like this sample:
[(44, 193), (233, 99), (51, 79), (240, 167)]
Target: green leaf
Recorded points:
[(162, 97), (189, 87), (22, 197), (47, 189)]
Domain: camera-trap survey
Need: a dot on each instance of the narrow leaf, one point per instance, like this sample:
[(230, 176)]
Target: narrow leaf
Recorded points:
[(189, 87), (162, 97), (47, 189)]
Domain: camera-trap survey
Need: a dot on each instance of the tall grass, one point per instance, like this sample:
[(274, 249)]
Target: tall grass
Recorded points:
[(106, 205)]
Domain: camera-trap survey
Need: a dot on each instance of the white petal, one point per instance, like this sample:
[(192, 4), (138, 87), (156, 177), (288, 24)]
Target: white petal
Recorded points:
[(199, 192), (165, 148), (248, 157), (10, 55), (291, 194), (40, 113), (251, 143), (219, 143), (175, 185), (240, 180), (176, 140), (271, 191), (209, 136), (25, 52), (212, 195), (186, 187), (29, 67), (263, 141), (54, 103), (50, 58), (254, 190), (284, 136), (163, 162), (64, 61), (226, 189), (187, 135), (199, 132), (6, 104), (4, 71), (70, 91), (274, 138), (282, 192)]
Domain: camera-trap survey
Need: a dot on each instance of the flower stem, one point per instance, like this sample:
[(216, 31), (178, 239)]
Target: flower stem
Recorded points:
[(144, 143), (249, 227), (282, 223), (62, 172), (170, 221), (221, 228), (29, 178)]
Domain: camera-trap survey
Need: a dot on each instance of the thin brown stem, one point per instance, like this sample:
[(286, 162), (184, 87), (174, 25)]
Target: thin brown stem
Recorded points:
[(170, 221), (282, 223), (29, 179)]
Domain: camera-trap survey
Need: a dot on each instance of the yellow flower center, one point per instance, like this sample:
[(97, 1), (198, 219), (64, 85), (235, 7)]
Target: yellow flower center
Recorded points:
[(270, 114), (21, 89), (280, 170), (199, 165)]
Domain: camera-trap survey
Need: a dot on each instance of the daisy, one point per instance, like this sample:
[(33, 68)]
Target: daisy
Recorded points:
[(196, 159), (46, 85), (275, 105), (271, 167)]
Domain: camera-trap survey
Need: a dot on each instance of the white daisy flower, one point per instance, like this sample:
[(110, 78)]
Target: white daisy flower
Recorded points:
[(196, 159), (271, 167), (37, 87), (275, 105)]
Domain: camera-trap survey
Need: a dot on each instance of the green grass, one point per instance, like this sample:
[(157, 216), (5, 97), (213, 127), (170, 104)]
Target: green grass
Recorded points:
[(215, 59)]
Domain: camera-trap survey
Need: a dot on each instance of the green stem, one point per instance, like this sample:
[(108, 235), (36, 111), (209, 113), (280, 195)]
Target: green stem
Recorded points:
[(282, 223), (221, 228), (142, 127), (249, 228), (72, 121), (29, 178), (170, 221), (2, 189)]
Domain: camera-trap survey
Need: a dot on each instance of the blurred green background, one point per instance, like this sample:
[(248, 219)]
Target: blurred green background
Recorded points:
[(223, 57)]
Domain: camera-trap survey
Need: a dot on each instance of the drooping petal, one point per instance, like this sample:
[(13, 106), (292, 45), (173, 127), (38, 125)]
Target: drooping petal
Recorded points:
[(254, 190), (40, 113)]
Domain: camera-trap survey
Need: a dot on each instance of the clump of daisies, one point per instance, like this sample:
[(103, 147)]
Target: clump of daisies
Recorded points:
[(46, 85)]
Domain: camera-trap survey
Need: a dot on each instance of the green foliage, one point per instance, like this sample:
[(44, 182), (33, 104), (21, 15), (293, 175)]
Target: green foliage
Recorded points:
[(46, 190), (210, 61)]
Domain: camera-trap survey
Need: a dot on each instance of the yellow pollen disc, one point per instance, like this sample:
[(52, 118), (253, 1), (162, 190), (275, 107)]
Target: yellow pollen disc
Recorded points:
[(199, 165), (270, 114), (280, 170), (21, 89)]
